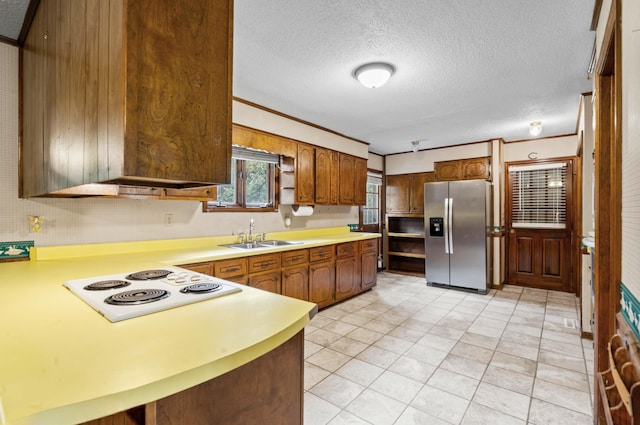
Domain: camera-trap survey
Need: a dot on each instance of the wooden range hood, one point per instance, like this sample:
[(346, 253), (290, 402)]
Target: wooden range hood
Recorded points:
[(126, 92)]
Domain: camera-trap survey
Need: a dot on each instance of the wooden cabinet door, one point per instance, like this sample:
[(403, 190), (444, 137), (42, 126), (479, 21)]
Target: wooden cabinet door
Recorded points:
[(305, 174), (360, 188), (347, 277), (322, 284), (369, 269), (323, 176), (448, 170), (335, 178), (347, 179), (475, 168), (295, 282), (398, 193), (269, 281), (416, 191)]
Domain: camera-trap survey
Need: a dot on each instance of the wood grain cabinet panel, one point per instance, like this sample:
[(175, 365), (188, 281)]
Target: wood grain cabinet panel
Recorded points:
[(347, 270), (269, 281), (463, 169), (235, 268), (322, 284), (476, 168), (295, 282), (204, 268), (334, 193), (305, 174), (295, 258), (83, 125), (323, 176), (405, 192), (263, 263), (347, 179), (360, 188), (368, 264)]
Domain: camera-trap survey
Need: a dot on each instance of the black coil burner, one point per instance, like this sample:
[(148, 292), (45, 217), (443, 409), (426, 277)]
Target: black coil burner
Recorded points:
[(201, 288), (137, 296), (104, 285), (149, 275)]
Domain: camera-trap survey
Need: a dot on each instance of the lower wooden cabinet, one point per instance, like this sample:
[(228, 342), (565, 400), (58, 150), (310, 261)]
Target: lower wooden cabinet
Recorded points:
[(322, 275), (269, 281), (368, 264), (322, 284), (347, 270), (295, 282)]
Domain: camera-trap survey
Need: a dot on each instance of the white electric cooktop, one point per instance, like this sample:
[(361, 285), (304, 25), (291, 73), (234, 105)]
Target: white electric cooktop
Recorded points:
[(126, 295)]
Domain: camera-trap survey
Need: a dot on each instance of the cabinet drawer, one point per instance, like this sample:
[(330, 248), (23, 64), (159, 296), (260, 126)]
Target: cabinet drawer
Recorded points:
[(230, 268), (346, 249), (204, 268), (322, 253), (369, 245), (294, 258), (263, 263)]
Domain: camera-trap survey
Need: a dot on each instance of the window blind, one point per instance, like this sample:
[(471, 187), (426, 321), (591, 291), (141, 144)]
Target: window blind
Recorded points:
[(539, 195), (248, 154), (374, 178)]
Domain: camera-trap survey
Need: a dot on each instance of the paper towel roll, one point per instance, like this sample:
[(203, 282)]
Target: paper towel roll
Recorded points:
[(302, 210)]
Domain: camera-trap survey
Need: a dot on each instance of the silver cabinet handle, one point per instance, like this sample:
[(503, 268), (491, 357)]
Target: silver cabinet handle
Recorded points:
[(450, 225)]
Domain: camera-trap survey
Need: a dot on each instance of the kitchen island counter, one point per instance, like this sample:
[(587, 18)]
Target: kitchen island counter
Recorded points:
[(61, 362)]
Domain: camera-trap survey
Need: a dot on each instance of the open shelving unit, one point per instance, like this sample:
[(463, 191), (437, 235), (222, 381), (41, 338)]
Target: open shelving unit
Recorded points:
[(405, 244)]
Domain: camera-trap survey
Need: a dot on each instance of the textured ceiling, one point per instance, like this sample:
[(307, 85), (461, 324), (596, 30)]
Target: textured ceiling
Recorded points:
[(466, 70)]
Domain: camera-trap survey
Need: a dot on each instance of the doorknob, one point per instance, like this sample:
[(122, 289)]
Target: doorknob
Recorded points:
[(512, 231)]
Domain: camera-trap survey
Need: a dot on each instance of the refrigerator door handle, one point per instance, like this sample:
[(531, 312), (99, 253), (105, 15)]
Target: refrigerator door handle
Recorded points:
[(450, 225), (445, 224)]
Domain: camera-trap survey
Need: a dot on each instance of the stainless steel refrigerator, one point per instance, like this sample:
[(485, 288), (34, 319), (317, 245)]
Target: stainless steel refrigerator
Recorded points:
[(457, 215)]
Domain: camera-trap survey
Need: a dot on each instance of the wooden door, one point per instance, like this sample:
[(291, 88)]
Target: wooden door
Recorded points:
[(322, 283), (347, 179), (347, 277), (475, 168), (323, 176), (305, 170), (398, 193), (539, 252), (360, 182)]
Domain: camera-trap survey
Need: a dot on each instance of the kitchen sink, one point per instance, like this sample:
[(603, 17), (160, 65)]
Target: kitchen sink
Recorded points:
[(278, 243), (245, 246), (263, 244)]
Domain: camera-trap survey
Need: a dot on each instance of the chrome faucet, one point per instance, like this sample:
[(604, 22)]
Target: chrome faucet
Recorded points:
[(252, 227)]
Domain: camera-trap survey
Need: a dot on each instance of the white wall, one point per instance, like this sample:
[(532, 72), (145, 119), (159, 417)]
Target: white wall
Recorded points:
[(72, 221), (421, 161), (630, 32), (553, 147), (375, 162)]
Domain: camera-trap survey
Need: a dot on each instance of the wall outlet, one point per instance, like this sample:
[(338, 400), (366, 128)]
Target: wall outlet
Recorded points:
[(168, 220)]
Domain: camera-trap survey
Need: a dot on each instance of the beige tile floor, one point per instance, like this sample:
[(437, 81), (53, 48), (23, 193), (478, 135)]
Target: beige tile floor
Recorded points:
[(405, 353)]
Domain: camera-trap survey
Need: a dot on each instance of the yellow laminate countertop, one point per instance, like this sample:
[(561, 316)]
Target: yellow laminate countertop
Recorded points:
[(62, 363)]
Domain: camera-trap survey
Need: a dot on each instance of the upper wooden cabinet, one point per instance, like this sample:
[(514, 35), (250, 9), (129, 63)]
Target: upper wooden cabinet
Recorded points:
[(347, 179), (360, 181), (463, 169), (405, 192), (126, 92), (324, 172), (305, 174)]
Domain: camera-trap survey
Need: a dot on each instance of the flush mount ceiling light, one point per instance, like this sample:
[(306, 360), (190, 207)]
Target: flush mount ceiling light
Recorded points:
[(373, 75), (415, 144), (535, 128)]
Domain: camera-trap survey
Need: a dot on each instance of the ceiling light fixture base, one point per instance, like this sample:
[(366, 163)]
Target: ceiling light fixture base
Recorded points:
[(374, 75)]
